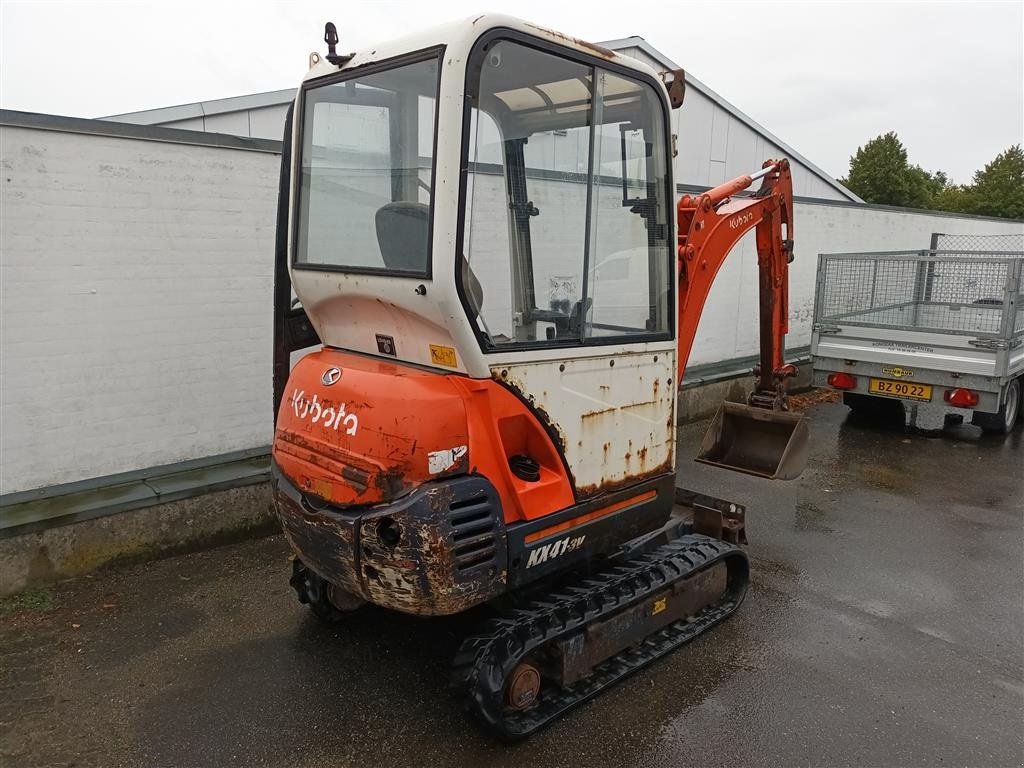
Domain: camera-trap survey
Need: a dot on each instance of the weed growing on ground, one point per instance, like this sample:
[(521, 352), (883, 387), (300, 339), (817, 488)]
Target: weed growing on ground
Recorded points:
[(31, 599)]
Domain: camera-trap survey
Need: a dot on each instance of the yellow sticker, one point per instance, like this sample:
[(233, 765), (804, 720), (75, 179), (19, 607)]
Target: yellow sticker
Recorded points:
[(659, 605), (442, 356)]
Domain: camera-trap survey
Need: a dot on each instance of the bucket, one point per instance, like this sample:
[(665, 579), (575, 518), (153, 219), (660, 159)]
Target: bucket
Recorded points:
[(772, 444)]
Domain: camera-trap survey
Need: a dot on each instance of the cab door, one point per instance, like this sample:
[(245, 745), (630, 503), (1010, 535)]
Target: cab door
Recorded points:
[(566, 239)]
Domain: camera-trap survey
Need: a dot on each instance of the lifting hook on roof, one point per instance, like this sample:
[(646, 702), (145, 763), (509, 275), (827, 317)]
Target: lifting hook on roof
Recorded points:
[(331, 38), (676, 86)]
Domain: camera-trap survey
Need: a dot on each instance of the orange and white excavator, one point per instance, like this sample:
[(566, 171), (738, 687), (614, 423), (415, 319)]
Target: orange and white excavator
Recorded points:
[(480, 229)]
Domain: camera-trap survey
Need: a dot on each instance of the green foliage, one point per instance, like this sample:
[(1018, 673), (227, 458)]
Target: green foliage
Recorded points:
[(30, 599), (998, 188), (880, 173)]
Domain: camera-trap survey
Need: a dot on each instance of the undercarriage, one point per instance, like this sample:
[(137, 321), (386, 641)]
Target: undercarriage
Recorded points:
[(557, 641)]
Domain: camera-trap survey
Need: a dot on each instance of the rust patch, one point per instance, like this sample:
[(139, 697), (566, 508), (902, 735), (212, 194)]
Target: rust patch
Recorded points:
[(391, 483), (598, 49), (324, 541), (639, 405), (552, 428), (595, 414), (615, 485)]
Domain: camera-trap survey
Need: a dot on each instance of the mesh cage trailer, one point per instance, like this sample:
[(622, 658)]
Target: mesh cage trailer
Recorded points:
[(941, 331)]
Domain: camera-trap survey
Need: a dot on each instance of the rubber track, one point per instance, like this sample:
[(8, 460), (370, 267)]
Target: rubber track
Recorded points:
[(486, 659)]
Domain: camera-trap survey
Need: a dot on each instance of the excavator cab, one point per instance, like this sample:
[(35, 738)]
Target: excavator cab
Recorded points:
[(497, 293)]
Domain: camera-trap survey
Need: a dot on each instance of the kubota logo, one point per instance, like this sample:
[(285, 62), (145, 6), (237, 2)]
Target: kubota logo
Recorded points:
[(330, 376), (555, 549), (738, 221), (897, 372), (329, 416)]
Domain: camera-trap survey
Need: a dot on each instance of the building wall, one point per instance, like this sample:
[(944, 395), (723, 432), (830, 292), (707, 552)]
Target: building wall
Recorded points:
[(136, 279), (135, 286)]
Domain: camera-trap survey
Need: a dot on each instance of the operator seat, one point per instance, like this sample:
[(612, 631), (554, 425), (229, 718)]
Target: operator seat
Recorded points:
[(403, 233)]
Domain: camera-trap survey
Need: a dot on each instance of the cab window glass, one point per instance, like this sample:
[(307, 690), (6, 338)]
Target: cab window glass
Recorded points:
[(565, 235)]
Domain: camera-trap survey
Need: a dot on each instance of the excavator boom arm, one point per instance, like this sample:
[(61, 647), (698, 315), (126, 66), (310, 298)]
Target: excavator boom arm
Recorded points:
[(710, 225)]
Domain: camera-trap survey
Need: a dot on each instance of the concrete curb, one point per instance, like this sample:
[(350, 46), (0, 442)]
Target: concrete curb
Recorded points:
[(199, 522)]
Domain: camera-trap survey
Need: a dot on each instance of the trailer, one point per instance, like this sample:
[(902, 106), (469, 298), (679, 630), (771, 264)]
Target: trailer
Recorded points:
[(938, 332)]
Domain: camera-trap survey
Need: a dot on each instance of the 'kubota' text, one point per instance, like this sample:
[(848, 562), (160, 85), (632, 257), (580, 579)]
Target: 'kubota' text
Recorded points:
[(330, 417)]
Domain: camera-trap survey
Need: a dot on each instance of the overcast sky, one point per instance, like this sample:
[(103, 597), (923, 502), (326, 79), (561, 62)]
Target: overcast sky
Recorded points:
[(824, 77)]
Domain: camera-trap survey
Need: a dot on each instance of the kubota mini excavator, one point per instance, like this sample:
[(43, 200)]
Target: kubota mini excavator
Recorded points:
[(479, 227)]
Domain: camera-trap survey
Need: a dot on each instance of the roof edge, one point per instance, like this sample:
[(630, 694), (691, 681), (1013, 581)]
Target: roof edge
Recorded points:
[(84, 125), (205, 108)]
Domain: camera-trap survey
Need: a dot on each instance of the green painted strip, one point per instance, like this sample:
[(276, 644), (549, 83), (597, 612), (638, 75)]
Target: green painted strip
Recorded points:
[(708, 373), (29, 511)]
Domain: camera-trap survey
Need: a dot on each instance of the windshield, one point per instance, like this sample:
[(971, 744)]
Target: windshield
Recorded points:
[(565, 234), (367, 159)]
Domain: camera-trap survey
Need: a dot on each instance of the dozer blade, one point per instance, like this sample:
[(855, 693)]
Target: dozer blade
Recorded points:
[(772, 444)]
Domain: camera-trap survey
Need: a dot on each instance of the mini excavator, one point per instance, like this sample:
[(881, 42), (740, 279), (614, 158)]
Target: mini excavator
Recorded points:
[(481, 257)]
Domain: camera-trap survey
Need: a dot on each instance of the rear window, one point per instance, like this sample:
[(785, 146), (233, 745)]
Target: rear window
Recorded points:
[(366, 171)]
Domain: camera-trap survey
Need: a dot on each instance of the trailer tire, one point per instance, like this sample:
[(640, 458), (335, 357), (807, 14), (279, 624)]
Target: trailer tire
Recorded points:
[(1002, 421)]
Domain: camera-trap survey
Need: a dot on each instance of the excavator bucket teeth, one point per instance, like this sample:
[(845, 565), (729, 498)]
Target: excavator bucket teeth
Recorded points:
[(772, 444)]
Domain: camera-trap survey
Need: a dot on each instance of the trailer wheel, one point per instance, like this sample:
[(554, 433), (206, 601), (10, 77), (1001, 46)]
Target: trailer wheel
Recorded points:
[(1002, 421)]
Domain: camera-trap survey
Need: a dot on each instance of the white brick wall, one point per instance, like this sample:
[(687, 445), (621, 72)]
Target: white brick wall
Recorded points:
[(135, 289), (136, 283)]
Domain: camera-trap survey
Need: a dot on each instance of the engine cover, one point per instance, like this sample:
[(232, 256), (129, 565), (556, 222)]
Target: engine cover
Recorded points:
[(354, 430)]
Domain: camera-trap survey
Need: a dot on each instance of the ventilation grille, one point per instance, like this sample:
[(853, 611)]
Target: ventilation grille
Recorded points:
[(474, 530)]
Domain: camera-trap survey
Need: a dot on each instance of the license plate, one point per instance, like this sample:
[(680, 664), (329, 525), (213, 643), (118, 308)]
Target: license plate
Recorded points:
[(902, 389)]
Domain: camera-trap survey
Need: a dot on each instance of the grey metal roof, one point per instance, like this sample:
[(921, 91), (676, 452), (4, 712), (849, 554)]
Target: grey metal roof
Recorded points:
[(143, 132), (692, 82), (205, 108)]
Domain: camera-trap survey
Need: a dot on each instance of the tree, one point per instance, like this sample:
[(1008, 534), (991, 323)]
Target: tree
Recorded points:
[(998, 188), (954, 198), (880, 173)]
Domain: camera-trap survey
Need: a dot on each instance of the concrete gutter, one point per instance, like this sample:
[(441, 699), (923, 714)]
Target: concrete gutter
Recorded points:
[(57, 505), (70, 529), (706, 386)]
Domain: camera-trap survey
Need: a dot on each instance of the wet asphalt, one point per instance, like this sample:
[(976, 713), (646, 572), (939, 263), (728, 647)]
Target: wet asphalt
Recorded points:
[(884, 626)]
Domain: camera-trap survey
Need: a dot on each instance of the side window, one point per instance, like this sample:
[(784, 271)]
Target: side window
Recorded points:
[(565, 226)]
